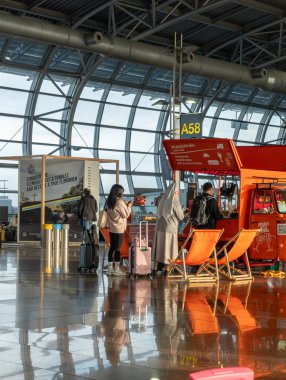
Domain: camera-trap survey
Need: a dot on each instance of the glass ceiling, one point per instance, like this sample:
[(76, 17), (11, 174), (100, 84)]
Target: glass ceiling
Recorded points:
[(65, 102)]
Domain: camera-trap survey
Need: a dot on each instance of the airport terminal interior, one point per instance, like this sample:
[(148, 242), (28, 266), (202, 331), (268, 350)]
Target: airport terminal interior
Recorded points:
[(136, 92)]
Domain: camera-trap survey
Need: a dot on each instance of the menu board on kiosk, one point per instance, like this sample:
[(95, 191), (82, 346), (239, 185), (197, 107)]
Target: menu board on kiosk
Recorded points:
[(211, 155)]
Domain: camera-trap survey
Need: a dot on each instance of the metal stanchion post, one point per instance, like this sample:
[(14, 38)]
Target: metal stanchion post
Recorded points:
[(65, 247), (47, 243), (65, 236), (57, 244), (47, 236)]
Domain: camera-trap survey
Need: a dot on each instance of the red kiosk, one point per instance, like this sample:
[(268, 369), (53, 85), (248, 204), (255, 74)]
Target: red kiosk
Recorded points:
[(262, 195)]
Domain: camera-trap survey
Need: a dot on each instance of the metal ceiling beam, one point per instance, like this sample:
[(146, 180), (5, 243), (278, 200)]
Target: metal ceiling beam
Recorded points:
[(225, 25), (273, 61), (20, 7), (175, 20), (138, 52), (249, 33), (93, 12), (63, 18), (36, 3), (220, 23), (144, 12), (258, 6), (133, 16), (44, 12)]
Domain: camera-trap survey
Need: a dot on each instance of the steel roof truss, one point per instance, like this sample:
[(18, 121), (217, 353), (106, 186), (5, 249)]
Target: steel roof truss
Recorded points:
[(50, 112), (59, 89), (49, 129)]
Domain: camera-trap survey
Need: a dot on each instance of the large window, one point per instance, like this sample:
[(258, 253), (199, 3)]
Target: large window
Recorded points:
[(52, 103)]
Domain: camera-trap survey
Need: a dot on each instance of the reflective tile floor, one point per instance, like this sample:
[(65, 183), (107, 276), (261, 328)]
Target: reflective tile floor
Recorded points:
[(87, 326)]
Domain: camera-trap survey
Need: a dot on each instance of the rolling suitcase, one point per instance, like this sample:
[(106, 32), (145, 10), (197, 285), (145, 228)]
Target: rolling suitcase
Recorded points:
[(88, 255), (140, 255)]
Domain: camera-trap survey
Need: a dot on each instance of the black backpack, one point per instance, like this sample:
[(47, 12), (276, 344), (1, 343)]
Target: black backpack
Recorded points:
[(199, 213)]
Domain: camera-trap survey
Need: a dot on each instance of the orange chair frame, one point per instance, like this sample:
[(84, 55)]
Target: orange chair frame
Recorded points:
[(202, 247), (242, 241)]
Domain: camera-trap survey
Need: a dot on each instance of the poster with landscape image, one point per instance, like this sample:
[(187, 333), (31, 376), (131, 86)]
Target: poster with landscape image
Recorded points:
[(63, 183)]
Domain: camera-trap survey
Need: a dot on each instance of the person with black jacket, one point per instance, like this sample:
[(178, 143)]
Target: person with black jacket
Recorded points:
[(87, 209), (211, 211), (212, 208)]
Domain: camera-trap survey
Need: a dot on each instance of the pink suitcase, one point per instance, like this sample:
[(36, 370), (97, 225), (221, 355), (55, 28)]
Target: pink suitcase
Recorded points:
[(231, 373), (140, 254)]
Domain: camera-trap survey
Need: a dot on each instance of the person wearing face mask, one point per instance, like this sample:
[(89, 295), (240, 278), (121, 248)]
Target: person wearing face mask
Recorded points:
[(169, 213)]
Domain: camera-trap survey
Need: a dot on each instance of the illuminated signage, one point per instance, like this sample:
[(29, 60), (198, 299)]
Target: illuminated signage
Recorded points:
[(191, 125)]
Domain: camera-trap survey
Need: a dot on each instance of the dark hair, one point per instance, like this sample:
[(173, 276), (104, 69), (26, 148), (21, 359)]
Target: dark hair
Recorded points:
[(115, 192), (207, 186), (86, 191)]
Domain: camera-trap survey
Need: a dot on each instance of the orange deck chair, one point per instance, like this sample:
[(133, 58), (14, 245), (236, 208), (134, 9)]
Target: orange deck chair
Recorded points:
[(241, 242), (124, 252), (202, 247)]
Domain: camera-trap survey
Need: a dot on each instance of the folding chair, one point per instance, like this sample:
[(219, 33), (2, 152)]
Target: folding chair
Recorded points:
[(241, 242), (124, 252), (202, 247)]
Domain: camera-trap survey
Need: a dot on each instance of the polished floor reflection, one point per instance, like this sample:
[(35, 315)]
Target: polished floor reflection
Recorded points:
[(86, 326)]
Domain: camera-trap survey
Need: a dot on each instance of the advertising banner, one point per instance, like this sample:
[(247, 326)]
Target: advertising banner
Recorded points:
[(64, 183), (212, 156)]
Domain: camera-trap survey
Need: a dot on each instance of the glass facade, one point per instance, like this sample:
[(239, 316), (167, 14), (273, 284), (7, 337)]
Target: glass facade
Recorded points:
[(109, 110)]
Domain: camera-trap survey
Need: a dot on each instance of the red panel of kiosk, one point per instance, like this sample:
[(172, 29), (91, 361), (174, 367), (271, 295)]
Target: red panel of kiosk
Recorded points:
[(212, 156), (263, 157)]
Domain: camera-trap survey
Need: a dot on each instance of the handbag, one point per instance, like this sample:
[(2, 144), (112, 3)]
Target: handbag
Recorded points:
[(102, 221)]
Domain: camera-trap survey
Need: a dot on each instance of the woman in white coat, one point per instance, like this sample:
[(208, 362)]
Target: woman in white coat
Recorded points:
[(169, 214)]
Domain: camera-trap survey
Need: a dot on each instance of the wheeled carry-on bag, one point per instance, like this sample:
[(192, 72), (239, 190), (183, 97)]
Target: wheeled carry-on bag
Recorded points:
[(88, 255), (140, 254), (85, 256)]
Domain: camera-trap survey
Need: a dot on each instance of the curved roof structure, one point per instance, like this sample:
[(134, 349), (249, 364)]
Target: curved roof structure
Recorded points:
[(86, 78)]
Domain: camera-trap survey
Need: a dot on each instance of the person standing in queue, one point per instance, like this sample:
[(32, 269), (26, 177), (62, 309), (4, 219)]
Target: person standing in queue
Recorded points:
[(204, 212), (211, 210), (117, 213), (87, 209), (169, 213)]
